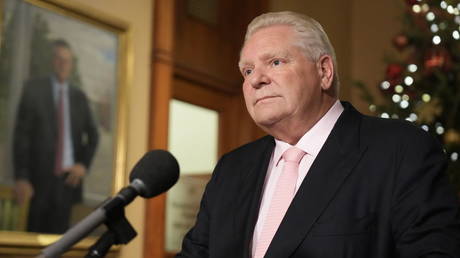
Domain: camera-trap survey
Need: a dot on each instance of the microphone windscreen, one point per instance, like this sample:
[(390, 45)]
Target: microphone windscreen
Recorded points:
[(158, 170)]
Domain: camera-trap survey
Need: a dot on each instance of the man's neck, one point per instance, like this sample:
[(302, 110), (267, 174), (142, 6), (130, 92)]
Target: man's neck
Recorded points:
[(292, 132), (60, 80)]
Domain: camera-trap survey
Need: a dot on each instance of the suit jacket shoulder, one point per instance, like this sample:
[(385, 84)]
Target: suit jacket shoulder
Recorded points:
[(246, 151)]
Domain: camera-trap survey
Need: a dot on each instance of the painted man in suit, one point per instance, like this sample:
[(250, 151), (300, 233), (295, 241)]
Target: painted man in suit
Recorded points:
[(363, 187), (54, 142)]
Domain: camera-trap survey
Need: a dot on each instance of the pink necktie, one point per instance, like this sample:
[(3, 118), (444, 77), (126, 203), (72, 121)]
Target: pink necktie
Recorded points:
[(282, 197)]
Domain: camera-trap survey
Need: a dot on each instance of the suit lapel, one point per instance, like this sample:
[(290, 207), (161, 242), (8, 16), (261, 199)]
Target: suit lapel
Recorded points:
[(249, 197), (334, 163), (74, 115), (50, 104)]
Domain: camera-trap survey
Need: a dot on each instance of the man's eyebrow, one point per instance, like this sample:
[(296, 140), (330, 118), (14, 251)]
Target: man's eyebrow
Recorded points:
[(266, 56), (280, 54), (242, 64)]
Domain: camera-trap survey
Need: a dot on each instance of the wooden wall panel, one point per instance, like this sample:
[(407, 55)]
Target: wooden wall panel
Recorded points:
[(209, 53)]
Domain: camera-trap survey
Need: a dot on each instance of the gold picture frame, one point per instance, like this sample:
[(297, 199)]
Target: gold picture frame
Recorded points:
[(102, 57)]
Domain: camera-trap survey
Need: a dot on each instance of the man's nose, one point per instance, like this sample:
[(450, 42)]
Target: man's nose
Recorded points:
[(259, 78)]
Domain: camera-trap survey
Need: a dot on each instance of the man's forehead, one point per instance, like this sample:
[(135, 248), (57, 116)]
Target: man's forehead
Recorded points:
[(268, 41), (59, 50)]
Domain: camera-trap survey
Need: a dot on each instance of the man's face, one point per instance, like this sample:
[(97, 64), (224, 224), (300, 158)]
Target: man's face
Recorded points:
[(281, 87), (62, 63)]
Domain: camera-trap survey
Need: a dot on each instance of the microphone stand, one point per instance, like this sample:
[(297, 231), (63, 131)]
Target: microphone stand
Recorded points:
[(119, 231), (112, 214), (102, 246)]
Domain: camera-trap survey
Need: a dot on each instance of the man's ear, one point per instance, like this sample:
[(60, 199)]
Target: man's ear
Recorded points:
[(326, 71)]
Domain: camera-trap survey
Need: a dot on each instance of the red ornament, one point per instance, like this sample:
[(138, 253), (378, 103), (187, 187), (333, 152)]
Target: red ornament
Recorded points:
[(394, 72), (437, 57), (400, 41), (393, 75)]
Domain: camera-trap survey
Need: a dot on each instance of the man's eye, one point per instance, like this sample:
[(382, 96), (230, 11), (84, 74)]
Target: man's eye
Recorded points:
[(276, 62), (247, 72)]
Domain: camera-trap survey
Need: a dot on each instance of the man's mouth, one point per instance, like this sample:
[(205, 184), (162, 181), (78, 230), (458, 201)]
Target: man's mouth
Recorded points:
[(264, 99)]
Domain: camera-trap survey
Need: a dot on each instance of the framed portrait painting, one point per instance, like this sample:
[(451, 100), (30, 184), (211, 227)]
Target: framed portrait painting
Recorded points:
[(63, 73)]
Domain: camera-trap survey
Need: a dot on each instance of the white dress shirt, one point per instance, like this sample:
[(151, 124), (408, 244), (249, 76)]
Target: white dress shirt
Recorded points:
[(311, 142)]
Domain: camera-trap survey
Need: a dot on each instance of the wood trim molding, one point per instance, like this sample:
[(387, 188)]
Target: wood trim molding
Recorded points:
[(213, 83), (161, 85)]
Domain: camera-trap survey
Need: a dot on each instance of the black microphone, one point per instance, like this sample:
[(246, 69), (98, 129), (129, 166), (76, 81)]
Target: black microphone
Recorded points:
[(154, 173)]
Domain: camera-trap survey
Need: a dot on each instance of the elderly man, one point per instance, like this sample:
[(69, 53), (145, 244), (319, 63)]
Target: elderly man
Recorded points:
[(54, 142), (328, 182)]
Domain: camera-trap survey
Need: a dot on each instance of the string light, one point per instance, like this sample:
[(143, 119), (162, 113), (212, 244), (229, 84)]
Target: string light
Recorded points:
[(425, 127), (430, 16), (425, 8), (404, 104), (413, 117), (385, 115), (396, 98), (434, 28), (385, 85), (405, 97), (456, 34), (372, 108), (399, 89), (443, 4), (439, 129), (408, 80), (416, 8), (454, 156), (426, 97), (412, 68), (436, 40), (450, 9)]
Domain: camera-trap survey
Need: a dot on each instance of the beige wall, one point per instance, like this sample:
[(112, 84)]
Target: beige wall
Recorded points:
[(138, 15), (361, 32), (373, 26)]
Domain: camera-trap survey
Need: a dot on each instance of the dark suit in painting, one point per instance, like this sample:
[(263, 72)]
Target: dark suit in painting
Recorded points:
[(376, 189), (35, 151)]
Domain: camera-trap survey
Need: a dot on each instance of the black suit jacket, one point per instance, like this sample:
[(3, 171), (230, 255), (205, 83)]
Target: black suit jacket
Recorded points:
[(36, 133), (376, 189)]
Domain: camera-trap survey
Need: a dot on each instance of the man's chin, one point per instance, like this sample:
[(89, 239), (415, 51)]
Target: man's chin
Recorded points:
[(267, 122)]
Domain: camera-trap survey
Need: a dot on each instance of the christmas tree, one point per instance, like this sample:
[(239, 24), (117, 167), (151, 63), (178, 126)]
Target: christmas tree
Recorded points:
[(422, 82)]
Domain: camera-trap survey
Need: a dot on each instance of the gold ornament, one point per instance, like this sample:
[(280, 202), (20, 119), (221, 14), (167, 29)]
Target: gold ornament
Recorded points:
[(427, 112), (452, 136)]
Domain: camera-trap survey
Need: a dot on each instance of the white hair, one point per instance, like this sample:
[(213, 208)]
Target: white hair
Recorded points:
[(313, 38)]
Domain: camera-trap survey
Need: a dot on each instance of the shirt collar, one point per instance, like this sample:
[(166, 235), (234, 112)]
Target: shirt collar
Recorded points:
[(56, 83), (313, 140)]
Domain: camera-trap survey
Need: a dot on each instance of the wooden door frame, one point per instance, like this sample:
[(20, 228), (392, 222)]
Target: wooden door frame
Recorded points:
[(165, 85), (161, 85)]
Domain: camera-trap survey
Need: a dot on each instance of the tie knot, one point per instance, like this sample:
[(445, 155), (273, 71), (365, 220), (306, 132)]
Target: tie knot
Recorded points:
[(293, 154)]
